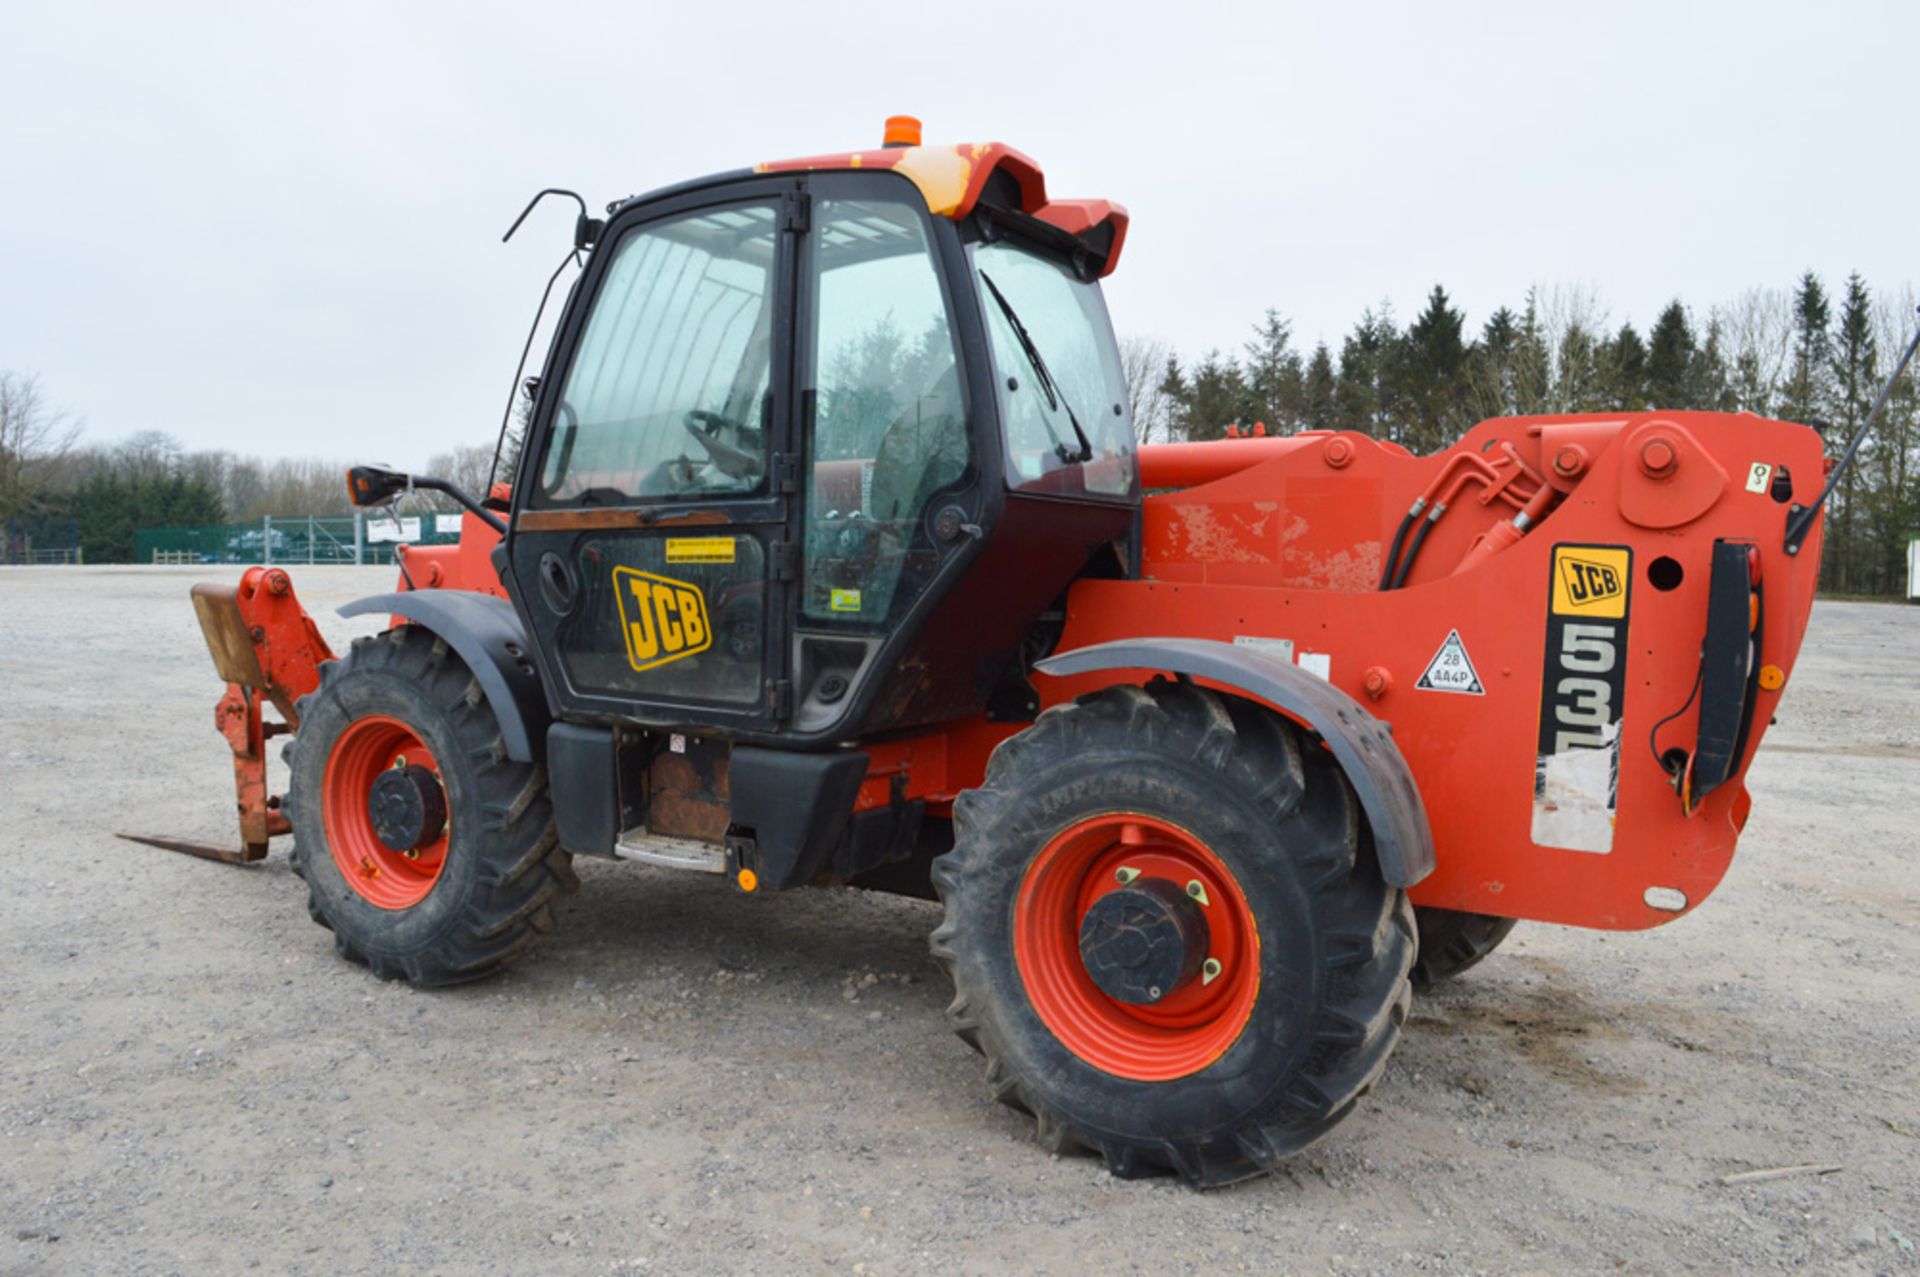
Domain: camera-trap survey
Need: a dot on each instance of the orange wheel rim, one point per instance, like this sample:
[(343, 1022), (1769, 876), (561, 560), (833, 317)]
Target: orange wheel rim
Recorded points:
[(1192, 1025), (384, 876)]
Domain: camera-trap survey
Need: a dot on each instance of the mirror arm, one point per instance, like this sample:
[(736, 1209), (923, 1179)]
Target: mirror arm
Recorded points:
[(485, 515)]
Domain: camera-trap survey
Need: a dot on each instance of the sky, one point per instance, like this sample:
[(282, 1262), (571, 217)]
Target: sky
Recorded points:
[(275, 228)]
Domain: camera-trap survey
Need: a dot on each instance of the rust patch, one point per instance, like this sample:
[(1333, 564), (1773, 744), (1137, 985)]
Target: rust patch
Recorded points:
[(687, 793)]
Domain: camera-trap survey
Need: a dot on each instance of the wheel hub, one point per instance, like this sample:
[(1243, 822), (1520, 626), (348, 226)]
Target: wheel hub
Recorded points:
[(407, 807), (1141, 943)]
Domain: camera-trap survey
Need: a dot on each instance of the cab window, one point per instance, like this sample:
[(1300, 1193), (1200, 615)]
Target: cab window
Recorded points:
[(664, 397), (889, 422), (1063, 395)]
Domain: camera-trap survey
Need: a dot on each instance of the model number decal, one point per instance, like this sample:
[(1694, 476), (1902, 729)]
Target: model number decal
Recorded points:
[(1576, 779), (1583, 698)]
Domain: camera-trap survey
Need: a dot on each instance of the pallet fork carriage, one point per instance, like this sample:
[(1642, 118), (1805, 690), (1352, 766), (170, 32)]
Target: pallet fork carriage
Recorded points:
[(269, 651), (829, 556)]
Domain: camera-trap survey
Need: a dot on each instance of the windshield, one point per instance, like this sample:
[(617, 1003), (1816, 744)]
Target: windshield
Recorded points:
[(1063, 397)]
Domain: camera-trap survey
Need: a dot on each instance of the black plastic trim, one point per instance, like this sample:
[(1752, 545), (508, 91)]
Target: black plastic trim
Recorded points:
[(583, 775), (1728, 671), (1360, 743), (487, 635), (796, 806)]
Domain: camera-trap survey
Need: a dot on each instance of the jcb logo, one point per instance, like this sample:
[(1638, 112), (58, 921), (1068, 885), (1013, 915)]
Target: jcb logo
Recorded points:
[(1590, 581), (663, 619)]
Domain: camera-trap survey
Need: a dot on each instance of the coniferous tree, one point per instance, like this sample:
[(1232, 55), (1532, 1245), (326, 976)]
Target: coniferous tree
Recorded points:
[(1807, 395), (1432, 356), (1670, 354), (1859, 561), (1322, 412), (1490, 371), (1173, 389), (1362, 400), (1624, 371), (1707, 387), (1274, 378)]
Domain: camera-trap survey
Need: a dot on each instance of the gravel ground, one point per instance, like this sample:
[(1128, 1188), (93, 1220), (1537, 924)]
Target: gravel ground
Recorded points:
[(685, 1080)]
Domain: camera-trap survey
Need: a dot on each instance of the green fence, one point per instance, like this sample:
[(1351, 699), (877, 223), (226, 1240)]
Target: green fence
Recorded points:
[(352, 538)]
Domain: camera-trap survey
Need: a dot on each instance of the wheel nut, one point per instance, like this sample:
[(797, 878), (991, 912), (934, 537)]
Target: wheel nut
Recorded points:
[(1123, 875), (1198, 892), (1210, 971)]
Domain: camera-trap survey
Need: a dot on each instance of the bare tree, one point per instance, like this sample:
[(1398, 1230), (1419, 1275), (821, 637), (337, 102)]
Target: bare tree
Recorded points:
[(34, 437), (1572, 323), (465, 466), (1759, 328), (1143, 360)]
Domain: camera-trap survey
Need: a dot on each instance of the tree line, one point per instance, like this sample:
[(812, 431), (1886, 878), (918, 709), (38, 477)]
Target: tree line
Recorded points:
[(1798, 354), (56, 488)]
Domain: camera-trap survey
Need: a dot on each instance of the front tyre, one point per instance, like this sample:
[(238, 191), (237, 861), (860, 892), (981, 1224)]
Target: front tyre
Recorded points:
[(1166, 934), (429, 853)]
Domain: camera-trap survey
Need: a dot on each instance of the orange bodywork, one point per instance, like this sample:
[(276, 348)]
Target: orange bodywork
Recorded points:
[(951, 179), (1281, 541), (1284, 540)]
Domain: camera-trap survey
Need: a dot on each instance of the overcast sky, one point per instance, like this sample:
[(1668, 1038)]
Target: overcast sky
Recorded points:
[(276, 228)]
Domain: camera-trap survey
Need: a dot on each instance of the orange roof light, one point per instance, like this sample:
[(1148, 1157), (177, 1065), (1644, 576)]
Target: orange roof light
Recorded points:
[(902, 130)]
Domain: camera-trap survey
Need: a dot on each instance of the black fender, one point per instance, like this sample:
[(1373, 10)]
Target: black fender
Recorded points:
[(1360, 743), (485, 632)]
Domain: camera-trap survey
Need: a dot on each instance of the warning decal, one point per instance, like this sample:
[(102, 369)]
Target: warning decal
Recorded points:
[(1451, 669), (699, 549)]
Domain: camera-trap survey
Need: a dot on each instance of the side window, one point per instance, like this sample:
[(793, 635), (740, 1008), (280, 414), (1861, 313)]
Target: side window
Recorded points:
[(664, 395), (889, 425)]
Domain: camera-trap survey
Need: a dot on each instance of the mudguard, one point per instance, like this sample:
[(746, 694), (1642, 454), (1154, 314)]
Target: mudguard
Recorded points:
[(1361, 743), (486, 634)]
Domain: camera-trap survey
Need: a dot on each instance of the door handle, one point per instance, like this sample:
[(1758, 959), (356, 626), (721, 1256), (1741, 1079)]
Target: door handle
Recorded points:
[(557, 585)]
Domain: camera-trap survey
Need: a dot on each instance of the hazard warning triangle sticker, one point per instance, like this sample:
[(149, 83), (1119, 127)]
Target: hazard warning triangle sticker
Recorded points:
[(1451, 669)]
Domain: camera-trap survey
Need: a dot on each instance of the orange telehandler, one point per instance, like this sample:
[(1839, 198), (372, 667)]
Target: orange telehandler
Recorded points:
[(829, 556)]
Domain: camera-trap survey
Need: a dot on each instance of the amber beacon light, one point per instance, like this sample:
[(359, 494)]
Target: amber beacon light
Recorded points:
[(902, 130)]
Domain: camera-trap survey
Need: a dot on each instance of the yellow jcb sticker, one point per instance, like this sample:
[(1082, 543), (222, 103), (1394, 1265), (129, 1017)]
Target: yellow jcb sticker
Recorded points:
[(699, 549), (844, 601), (1590, 580), (662, 619)]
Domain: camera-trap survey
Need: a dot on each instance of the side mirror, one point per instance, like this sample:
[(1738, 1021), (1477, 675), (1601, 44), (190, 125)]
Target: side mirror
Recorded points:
[(375, 485)]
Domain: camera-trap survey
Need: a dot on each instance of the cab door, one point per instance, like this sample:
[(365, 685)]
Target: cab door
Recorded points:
[(652, 539)]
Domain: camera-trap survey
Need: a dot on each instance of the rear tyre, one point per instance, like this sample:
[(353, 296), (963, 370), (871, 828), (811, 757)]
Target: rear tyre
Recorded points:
[(428, 852), (1151, 1059), (1451, 941)]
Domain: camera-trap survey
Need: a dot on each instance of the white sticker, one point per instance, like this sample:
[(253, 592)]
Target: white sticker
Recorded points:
[(385, 530), (677, 743), (1758, 475), (1320, 663), (1282, 648), (1574, 793), (1451, 669)]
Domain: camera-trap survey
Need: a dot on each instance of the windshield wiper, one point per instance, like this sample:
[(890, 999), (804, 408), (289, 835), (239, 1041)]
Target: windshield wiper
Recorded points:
[(1055, 398)]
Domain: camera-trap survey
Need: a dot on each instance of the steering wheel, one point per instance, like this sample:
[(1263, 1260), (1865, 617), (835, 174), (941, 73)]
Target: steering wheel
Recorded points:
[(733, 447)]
